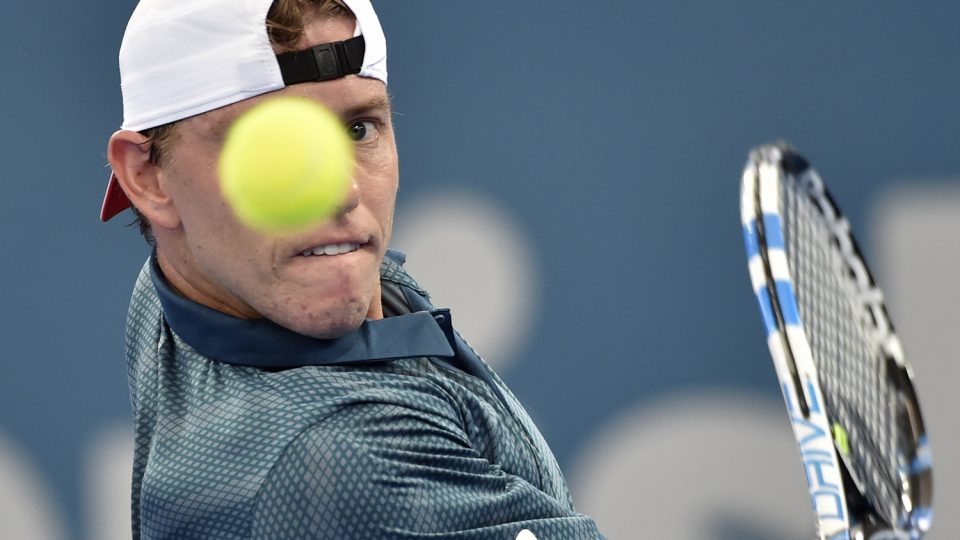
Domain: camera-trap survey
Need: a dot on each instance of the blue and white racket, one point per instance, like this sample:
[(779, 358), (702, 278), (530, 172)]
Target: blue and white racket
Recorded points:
[(847, 387)]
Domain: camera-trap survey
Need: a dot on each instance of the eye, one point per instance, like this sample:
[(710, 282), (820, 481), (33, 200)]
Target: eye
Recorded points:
[(363, 131)]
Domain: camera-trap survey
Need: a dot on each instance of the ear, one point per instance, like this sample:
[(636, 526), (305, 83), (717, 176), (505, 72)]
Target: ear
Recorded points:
[(129, 155)]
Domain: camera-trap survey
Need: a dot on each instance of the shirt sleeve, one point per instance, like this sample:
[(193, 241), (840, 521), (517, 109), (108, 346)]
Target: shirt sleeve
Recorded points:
[(386, 471)]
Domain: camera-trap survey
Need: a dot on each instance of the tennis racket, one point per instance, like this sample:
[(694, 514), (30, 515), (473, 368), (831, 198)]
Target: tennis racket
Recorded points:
[(840, 365)]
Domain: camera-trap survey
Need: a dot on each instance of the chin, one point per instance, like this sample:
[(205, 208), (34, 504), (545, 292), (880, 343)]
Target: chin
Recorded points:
[(328, 323)]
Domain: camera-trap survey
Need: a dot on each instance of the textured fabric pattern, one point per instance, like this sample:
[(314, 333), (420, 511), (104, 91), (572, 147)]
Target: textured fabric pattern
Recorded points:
[(412, 448)]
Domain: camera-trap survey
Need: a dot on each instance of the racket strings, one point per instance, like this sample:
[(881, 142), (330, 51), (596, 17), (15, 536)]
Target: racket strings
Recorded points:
[(843, 344)]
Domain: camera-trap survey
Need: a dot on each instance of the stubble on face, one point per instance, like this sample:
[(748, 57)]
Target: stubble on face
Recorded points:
[(214, 260)]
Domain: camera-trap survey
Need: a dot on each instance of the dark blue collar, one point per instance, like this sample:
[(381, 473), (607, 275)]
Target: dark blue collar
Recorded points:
[(264, 344)]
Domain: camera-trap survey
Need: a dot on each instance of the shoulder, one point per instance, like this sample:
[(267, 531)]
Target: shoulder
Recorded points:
[(391, 269), (362, 469), (396, 474), (350, 397)]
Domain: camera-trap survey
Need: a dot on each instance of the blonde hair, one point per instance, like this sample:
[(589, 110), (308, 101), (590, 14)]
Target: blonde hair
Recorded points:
[(286, 18)]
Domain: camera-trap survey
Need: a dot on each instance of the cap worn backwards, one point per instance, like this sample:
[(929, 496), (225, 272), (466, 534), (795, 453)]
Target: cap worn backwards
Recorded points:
[(180, 59)]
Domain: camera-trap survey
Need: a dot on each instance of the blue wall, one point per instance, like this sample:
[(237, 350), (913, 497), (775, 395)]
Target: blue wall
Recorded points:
[(612, 132)]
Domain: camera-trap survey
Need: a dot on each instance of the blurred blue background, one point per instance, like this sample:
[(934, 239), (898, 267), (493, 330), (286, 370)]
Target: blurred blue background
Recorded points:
[(603, 141)]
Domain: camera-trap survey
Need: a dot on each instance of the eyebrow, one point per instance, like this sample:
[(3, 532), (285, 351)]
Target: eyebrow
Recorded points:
[(378, 103)]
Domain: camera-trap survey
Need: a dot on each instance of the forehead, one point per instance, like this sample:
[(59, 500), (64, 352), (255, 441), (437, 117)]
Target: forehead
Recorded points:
[(340, 95)]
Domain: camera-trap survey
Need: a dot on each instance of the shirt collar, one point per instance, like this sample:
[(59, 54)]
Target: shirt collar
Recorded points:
[(264, 344)]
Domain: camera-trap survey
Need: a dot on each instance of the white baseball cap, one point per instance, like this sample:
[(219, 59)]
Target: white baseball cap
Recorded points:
[(181, 59)]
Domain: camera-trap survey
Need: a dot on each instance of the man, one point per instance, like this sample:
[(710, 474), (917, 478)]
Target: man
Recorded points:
[(300, 386)]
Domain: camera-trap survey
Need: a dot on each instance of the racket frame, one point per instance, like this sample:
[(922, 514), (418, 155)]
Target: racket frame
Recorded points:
[(840, 509), (792, 356)]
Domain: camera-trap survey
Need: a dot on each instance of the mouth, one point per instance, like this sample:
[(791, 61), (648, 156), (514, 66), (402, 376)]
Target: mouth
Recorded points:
[(332, 250)]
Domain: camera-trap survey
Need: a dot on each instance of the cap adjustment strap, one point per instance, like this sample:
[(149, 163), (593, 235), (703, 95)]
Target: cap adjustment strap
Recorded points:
[(324, 62)]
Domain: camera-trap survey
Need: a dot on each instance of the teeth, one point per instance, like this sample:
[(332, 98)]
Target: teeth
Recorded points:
[(331, 249)]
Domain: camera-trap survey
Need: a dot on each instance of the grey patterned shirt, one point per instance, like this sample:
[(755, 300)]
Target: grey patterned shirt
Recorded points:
[(396, 430)]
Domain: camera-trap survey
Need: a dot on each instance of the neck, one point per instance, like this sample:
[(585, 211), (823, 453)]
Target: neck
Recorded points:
[(187, 286)]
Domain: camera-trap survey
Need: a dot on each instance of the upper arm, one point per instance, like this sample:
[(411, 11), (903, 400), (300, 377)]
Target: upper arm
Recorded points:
[(387, 471)]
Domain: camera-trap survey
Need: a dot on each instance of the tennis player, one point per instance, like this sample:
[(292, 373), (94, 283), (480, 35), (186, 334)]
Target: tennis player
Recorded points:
[(301, 386)]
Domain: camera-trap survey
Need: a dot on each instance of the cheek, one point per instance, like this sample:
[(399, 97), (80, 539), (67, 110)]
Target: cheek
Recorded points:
[(209, 225), (195, 186), (382, 198), (380, 176)]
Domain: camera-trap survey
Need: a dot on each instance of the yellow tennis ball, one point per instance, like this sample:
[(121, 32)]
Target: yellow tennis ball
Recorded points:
[(286, 165)]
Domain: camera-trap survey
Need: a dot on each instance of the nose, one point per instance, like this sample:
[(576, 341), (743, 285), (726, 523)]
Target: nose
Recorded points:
[(351, 200)]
